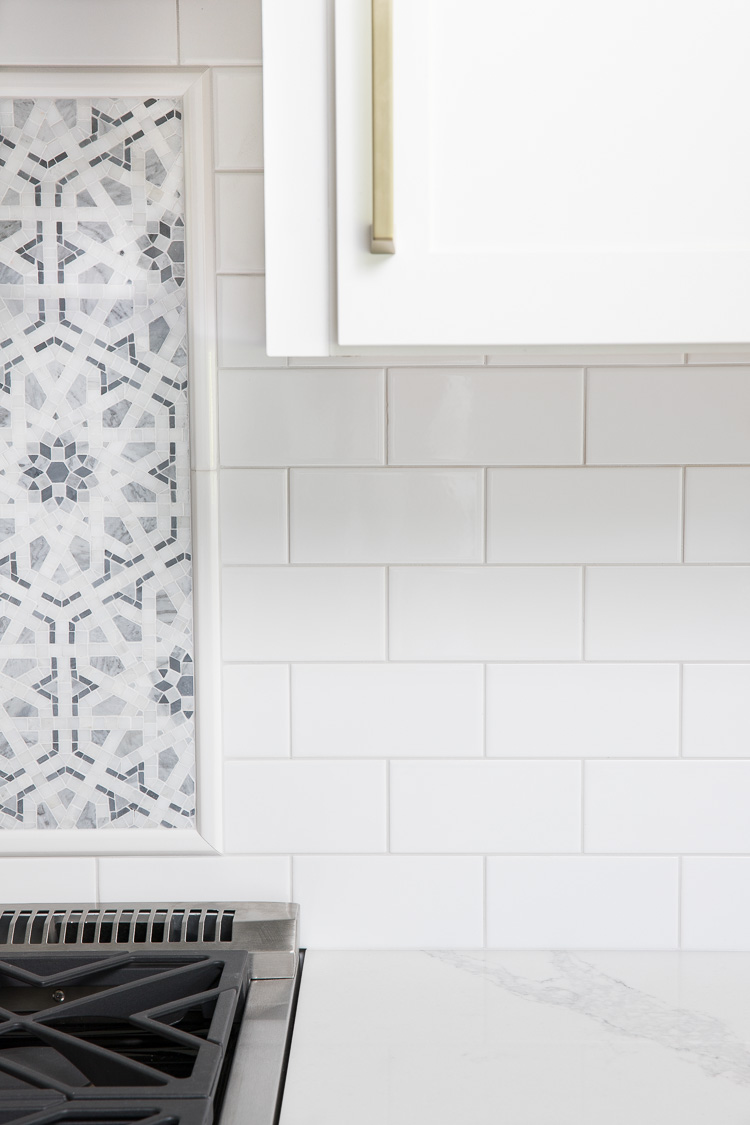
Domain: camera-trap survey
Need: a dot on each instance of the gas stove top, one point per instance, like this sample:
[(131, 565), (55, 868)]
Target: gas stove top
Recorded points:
[(135, 1014)]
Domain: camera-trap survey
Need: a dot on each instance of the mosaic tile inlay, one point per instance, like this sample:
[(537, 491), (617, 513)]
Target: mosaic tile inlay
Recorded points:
[(96, 682)]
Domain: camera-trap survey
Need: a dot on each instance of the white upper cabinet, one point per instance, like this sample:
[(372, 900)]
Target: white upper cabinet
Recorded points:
[(566, 172)]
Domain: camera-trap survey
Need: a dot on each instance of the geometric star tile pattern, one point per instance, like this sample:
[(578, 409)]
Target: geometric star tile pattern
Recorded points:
[(96, 670)]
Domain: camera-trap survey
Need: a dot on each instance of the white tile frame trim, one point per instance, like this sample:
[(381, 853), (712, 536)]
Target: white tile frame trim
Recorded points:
[(194, 86)]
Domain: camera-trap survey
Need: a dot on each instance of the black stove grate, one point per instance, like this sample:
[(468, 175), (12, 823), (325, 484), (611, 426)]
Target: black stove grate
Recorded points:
[(45, 1111), (86, 1030)]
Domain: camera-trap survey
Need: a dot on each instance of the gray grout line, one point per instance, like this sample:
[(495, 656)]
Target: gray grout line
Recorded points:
[(177, 28)]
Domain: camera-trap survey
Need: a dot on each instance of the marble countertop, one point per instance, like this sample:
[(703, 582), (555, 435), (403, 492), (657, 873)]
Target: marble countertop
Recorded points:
[(485, 1038)]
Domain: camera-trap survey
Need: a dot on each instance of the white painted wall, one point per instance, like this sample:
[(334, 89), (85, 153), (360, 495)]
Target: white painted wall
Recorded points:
[(486, 623)]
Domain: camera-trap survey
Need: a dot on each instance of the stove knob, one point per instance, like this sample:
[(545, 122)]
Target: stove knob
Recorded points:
[(58, 995)]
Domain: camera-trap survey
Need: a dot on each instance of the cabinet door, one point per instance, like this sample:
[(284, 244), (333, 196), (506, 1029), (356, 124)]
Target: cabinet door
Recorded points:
[(565, 172)]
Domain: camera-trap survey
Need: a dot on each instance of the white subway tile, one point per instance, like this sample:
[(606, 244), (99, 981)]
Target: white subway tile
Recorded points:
[(622, 355), (301, 417), (387, 710), (420, 357), (485, 613), (583, 515), (253, 516), (44, 879), (305, 807), (238, 119), (583, 710), (239, 221), (485, 806), (218, 878), (387, 515), (88, 33), (256, 710), (470, 417), (717, 516), (667, 613), (678, 806), (241, 305), (294, 613), (582, 902), (716, 903), (716, 711), (716, 357), (219, 31), (663, 417), (389, 902)]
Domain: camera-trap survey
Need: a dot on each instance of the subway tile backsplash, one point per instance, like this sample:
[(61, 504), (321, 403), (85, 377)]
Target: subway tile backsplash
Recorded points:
[(668, 613), (583, 710), (486, 619), (668, 416), (504, 417), (584, 515), (582, 902), (485, 613)]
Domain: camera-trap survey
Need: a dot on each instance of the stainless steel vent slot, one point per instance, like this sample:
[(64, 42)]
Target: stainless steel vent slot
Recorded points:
[(38, 927), (158, 926), (21, 925), (209, 925), (226, 927), (6, 918)]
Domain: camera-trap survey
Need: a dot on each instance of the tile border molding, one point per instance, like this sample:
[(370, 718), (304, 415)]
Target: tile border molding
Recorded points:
[(193, 85)]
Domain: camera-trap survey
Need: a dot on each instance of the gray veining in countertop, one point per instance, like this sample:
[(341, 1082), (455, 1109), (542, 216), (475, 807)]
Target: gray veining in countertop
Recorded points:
[(580, 986)]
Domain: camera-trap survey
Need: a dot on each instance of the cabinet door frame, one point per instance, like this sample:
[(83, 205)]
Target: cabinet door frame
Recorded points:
[(299, 170), (193, 85), (301, 208)]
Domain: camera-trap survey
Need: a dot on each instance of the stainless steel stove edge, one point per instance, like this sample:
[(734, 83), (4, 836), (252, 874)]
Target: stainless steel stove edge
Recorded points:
[(255, 1087), (268, 931)]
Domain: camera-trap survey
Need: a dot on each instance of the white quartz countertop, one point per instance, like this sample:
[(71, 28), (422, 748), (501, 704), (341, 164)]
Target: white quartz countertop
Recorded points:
[(460, 1038)]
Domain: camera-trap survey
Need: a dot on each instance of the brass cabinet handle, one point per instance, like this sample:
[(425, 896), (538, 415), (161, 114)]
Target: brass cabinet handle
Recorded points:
[(382, 127)]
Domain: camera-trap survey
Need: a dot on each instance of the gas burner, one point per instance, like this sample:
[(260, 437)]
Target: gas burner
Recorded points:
[(117, 1014)]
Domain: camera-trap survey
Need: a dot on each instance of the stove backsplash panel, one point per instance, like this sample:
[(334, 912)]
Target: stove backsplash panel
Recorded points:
[(96, 685)]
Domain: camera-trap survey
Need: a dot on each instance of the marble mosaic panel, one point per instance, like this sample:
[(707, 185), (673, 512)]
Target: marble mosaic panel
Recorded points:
[(96, 682)]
